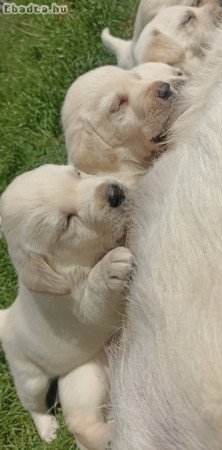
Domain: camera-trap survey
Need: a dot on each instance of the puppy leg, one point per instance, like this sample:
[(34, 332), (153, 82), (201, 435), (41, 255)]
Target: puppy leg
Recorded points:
[(46, 426), (32, 385), (82, 395), (101, 302)]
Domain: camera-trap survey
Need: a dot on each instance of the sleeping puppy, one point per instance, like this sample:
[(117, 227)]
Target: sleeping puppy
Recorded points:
[(148, 9), (177, 36), (114, 121), (70, 294)]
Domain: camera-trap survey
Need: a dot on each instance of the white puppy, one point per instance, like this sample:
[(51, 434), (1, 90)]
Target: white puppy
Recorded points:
[(114, 121), (59, 224), (148, 9), (176, 36), (167, 376)]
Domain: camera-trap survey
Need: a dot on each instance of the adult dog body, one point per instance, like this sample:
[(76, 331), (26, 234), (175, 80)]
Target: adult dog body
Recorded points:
[(166, 376), (69, 300)]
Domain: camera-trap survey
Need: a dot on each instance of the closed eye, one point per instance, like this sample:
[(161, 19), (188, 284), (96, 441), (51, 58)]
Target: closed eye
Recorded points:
[(188, 19), (119, 102), (69, 219)]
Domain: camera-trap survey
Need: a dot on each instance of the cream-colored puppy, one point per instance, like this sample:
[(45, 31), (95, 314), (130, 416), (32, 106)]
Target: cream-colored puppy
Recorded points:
[(176, 36), (148, 9), (114, 121), (59, 224)]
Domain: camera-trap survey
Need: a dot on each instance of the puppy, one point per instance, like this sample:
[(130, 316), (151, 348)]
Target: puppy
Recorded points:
[(148, 9), (166, 376), (59, 224), (114, 121), (176, 36)]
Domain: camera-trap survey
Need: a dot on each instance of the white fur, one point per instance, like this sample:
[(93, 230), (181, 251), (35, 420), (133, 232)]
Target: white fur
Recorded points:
[(190, 38), (148, 9), (121, 48), (3, 316), (111, 116), (59, 225), (154, 71), (167, 374)]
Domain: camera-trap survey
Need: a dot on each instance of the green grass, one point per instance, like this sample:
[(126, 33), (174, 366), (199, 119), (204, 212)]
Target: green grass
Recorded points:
[(39, 58)]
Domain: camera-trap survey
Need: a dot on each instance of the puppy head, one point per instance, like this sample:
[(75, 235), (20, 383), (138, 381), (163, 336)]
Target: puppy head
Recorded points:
[(177, 34), (111, 116), (54, 217), (197, 3)]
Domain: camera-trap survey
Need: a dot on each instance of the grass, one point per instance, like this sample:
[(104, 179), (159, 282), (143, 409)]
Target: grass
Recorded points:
[(39, 58)]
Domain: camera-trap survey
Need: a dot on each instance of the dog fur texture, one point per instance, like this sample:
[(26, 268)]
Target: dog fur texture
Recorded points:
[(176, 36), (154, 71), (70, 298), (111, 118), (148, 9), (166, 374)]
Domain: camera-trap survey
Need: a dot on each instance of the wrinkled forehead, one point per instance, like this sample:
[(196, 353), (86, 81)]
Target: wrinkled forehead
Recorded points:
[(101, 82)]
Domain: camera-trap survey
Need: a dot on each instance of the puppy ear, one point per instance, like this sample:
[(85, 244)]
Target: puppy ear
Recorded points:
[(89, 153), (163, 49), (38, 276)]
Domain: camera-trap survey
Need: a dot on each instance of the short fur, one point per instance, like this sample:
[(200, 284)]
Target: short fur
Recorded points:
[(111, 116), (166, 375), (176, 36), (70, 295), (148, 9), (153, 71)]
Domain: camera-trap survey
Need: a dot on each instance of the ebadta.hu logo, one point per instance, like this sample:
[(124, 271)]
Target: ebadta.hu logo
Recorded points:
[(32, 8)]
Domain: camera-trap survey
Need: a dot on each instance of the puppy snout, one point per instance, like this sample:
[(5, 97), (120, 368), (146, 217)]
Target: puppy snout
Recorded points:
[(115, 195), (164, 91)]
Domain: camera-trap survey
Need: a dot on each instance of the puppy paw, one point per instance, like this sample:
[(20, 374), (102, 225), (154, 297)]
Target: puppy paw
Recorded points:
[(117, 268), (46, 425)]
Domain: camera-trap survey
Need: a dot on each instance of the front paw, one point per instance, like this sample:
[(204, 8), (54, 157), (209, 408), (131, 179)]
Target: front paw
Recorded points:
[(117, 268)]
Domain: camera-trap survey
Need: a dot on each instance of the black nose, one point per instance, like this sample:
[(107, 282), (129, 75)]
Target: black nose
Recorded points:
[(164, 91), (115, 195)]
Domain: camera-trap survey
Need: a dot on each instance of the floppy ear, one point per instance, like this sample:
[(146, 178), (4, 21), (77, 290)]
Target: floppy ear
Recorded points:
[(163, 49), (38, 276), (89, 152)]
